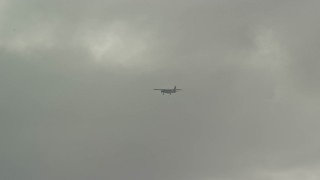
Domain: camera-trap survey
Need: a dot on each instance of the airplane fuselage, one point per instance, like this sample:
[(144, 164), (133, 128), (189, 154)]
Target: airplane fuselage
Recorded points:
[(168, 91)]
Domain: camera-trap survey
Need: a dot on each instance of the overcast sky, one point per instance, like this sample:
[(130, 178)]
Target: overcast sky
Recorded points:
[(76, 98)]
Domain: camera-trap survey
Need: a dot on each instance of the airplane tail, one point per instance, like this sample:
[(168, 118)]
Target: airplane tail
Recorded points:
[(175, 88)]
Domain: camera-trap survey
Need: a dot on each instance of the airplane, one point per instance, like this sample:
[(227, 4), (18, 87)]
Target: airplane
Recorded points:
[(169, 91)]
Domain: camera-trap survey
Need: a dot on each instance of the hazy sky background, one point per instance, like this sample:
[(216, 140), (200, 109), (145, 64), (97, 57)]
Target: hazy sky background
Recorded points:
[(76, 98)]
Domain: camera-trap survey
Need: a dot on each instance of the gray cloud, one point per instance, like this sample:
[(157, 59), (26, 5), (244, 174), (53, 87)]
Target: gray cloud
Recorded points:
[(77, 101)]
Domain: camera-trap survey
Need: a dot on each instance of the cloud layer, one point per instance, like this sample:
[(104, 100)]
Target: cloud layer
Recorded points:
[(77, 102)]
